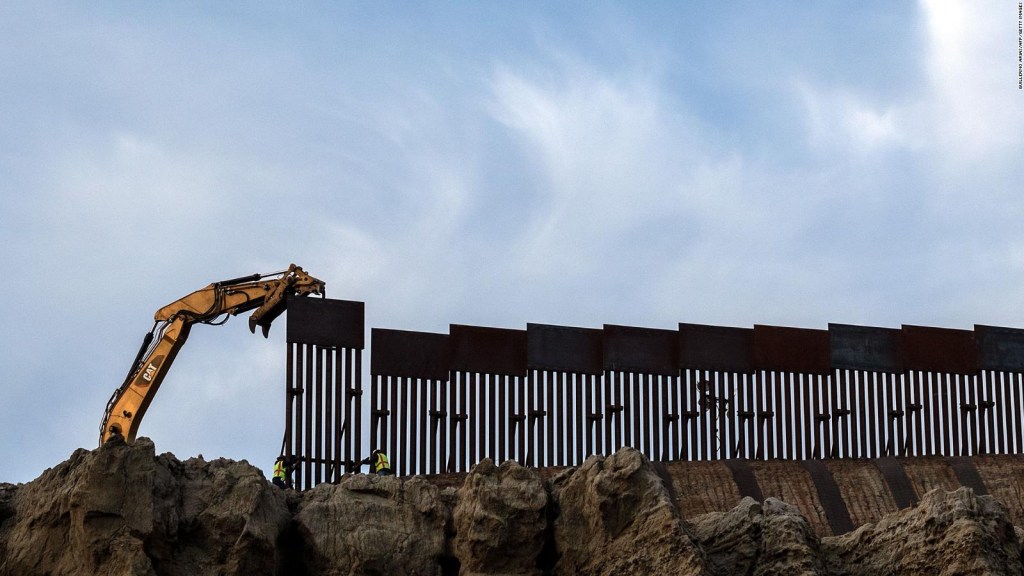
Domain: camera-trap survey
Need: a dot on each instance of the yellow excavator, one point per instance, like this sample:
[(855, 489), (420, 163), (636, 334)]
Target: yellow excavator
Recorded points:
[(267, 293)]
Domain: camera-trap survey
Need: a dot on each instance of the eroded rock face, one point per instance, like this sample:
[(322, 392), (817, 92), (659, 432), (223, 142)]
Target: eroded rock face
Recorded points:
[(500, 520), (756, 539), (948, 533), (219, 516), (7, 492), (615, 518), (372, 524), (122, 510), (88, 515)]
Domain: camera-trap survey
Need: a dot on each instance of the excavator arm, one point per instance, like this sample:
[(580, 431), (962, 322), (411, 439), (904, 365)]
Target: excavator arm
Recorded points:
[(214, 304)]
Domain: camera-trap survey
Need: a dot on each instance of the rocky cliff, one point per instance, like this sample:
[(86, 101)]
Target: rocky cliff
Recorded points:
[(124, 510)]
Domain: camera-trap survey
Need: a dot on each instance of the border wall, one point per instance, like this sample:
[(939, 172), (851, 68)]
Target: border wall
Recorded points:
[(553, 395)]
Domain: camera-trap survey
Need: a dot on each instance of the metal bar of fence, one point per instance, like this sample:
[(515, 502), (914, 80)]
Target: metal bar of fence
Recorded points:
[(751, 417), (383, 414), (460, 418), (579, 412), (861, 410), (807, 420), (424, 387), (437, 410), (620, 410), (859, 414), (613, 418), (539, 418), (394, 415), (310, 392), (549, 418), (408, 395), (922, 415), (693, 415), (556, 422), (633, 415), (1005, 422), (841, 417), (338, 406), (942, 428), (908, 422), (826, 417), (791, 419), (330, 456), (993, 410), (833, 408), (522, 419), (1015, 412), (492, 384), (965, 408), (747, 418), (935, 400), (917, 404), (478, 420), (700, 386), (289, 394), (656, 387), (503, 419), (317, 427), (876, 420), (432, 423), (592, 425), (899, 415), (979, 442), (353, 423), (773, 436), (951, 415)]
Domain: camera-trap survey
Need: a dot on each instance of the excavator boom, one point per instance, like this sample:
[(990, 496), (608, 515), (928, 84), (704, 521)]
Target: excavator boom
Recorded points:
[(265, 293)]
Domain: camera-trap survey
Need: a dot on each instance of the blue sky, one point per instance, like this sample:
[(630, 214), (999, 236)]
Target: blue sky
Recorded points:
[(487, 163)]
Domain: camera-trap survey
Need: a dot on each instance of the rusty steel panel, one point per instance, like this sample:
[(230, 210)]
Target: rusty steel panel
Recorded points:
[(641, 350), (409, 354), (865, 348), (791, 349), (1000, 348), (326, 322), (939, 350), (565, 349), (499, 351), (717, 348)]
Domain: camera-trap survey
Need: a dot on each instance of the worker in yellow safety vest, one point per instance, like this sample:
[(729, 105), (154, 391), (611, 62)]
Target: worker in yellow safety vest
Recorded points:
[(378, 462), (282, 471)]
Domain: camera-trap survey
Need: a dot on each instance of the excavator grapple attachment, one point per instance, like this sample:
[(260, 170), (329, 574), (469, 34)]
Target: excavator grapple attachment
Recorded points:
[(264, 316)]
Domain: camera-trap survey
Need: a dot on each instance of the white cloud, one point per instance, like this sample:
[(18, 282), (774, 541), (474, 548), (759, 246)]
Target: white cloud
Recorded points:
[(840, 122), (606, 153), (974, 111)]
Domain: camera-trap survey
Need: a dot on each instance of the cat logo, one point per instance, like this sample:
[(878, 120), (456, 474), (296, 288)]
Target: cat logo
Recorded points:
[(149, 372)]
